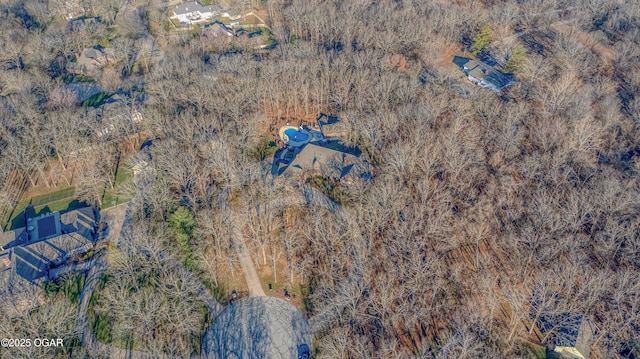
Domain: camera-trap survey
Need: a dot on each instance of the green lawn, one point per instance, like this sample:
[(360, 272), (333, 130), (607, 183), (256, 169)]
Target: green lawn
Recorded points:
[(64, 200), (283, 283), (531, 350), (60, 200), (113, 197), (248, 21), (63, 192), (63, 205)]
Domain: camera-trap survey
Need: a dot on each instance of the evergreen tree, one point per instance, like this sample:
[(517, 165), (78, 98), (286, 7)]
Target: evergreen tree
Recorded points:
[(182, 224), (518, 55), (482, 40)]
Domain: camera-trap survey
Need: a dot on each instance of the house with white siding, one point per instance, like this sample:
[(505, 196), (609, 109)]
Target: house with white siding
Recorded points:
[(193, 12)]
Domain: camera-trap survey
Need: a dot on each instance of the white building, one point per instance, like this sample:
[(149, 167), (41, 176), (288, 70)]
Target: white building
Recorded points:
[(193, 12)]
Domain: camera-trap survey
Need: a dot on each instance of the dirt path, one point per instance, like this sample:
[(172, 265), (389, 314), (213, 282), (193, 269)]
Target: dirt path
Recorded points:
[(311, 196)]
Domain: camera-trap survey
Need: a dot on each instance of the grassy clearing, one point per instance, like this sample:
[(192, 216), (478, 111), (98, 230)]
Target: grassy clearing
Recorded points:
[(69, 287), (530, 350), (296, 291), (113, 196), (60, 200), (64, 192), (283, 283), (64, 200), (249, 20), (63, 205), (96, 100), (71, 78), (99, 324)]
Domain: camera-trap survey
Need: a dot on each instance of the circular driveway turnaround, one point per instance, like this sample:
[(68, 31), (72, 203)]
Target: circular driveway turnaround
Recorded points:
[(257, 327)]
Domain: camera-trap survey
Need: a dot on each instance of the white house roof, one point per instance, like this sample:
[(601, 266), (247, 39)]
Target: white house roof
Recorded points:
[(192, 6)]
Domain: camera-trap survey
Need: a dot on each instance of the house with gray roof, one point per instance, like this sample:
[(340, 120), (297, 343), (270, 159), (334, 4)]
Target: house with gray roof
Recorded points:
[(484, 75), (48, 241), (332, 127), (218, 30), (116, 113), (328, 159), (16, 291), (322, 155), (84, 22), (90, 60)]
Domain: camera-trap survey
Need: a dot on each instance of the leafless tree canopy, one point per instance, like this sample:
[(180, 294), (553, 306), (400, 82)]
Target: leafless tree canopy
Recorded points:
[(484, 213)]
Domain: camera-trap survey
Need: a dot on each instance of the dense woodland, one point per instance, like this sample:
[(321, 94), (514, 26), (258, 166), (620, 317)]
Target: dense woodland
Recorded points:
[(484, 213)]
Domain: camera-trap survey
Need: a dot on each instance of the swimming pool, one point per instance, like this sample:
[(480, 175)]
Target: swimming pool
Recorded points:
[(295, 135)]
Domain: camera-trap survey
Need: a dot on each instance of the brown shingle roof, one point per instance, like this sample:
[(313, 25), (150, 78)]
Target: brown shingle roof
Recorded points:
[(333, 162)]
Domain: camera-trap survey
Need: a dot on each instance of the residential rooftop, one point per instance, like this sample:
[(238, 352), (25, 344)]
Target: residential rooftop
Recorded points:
[(321, 153), (332, 127), (330, 159), (484, 75), (48, 240), (192, 7)]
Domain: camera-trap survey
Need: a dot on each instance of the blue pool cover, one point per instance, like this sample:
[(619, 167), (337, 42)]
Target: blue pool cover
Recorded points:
[(295, 135)]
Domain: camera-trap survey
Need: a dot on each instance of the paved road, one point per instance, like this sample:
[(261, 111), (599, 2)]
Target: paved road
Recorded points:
[(248, 269), (250, 274), (114, 217)]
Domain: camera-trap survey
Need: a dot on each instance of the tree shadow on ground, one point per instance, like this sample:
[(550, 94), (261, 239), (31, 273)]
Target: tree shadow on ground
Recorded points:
[(20, 220), (257, 327)]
